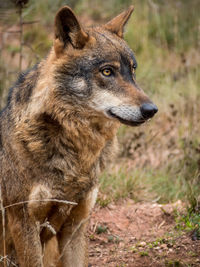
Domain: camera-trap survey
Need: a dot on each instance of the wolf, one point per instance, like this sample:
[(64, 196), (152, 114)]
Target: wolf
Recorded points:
[(57, 133)]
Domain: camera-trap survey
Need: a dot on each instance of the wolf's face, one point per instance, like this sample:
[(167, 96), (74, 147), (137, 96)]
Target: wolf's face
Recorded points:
[(97, 69)]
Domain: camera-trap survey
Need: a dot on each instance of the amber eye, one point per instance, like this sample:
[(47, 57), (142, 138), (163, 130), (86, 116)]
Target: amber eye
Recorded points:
[(107, 72)]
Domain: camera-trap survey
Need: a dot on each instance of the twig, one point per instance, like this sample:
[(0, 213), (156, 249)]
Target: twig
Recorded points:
[(32, 50), (30, 22), (8, 260), (41, 200), (49, 226), (4, 229), (12, 31), (21, 38)]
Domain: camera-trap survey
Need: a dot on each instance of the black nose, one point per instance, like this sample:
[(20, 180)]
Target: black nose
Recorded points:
[(148, 110)]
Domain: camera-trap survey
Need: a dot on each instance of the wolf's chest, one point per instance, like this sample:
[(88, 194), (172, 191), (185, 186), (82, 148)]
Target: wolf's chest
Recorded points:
[(50, 214)]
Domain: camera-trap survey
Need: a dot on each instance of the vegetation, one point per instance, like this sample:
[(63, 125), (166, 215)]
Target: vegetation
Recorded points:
[(161, 160)]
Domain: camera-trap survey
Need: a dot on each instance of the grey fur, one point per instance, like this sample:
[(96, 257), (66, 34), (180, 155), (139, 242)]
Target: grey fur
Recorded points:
[(128, 113)]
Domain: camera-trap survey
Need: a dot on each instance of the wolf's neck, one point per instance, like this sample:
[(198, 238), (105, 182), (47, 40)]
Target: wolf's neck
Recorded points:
[(77, 141), (90, 137)]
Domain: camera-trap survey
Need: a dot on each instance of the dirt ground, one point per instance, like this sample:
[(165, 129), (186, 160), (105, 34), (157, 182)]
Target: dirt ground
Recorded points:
[(140, 235)]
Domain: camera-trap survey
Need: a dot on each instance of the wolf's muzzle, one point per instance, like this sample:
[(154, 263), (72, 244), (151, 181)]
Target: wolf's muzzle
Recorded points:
[(133, 115), (148, 110), (128, 115)]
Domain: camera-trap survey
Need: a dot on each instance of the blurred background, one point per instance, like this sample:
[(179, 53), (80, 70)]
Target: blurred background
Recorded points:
[(159, 161)]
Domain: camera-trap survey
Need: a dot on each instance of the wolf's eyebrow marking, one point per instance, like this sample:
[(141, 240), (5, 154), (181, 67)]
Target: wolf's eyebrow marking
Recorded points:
[(132, 62), (110, 62)]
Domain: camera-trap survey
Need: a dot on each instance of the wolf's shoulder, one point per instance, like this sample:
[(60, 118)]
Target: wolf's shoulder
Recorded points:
[(22, 89)]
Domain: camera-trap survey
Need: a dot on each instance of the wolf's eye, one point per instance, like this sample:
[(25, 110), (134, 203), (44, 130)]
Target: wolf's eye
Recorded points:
[(107, 72)]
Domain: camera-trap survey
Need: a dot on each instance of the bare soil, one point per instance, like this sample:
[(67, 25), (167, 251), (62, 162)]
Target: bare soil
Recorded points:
[(132, 234)]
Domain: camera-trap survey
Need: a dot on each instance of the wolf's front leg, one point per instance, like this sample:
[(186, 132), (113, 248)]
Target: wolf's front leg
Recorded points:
[(25, 235), (73, 245), (72, 240)]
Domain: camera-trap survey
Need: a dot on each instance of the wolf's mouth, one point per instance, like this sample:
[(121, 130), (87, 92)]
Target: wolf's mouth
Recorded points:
[(127, 122)]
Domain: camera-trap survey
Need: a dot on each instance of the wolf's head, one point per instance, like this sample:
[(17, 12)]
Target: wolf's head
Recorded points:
[(95, 69)]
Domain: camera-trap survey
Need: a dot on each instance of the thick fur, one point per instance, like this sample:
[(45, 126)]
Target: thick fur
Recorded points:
[(57, 132)]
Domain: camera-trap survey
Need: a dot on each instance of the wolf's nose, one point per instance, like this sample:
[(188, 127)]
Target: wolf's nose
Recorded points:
[(148, 110)]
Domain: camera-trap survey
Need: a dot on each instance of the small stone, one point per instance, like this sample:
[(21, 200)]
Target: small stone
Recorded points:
[(142, 244), (111, 207)]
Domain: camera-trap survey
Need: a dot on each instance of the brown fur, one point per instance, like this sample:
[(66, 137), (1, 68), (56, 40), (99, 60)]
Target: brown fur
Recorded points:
[(56, 136)]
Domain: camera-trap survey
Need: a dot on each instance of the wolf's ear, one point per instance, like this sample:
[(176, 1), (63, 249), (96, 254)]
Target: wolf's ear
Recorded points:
[(117, 24), (68, 30)]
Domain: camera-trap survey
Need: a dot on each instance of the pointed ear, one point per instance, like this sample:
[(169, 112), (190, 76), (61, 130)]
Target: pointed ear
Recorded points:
[(117, 24), (68, 30)]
